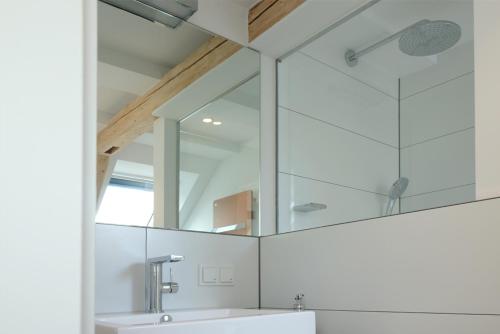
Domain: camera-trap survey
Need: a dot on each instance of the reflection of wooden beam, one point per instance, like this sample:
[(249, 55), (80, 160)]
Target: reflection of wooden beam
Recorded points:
[(136, 118), (102, 166), (105, 166), (266, 13)]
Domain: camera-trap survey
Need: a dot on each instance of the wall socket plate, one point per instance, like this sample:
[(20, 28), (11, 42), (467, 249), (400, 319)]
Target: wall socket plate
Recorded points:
[(215, 275)]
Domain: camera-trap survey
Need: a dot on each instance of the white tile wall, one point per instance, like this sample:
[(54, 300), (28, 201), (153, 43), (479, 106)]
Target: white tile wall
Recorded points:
[(356, 34), (314, 149), (343, 204), (439, 164), (437, 131), (438, 111), (450, 64), (439, 198), (120, 252), (208, 249), (320, 91), (338, 141), (332, 322), (443, 260)]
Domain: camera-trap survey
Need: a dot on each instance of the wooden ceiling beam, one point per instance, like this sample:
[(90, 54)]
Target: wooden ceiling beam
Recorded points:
[(137, 117), (267, 13), (258, 9)]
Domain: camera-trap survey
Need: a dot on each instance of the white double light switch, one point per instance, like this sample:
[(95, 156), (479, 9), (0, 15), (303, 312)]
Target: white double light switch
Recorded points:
[(216, 275)]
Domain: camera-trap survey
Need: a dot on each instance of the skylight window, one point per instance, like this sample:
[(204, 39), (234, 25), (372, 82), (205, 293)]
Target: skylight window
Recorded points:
[(127, 202)]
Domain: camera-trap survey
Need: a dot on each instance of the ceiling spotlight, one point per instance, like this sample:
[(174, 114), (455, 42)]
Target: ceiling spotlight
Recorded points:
[(207, 120), (217, 123)]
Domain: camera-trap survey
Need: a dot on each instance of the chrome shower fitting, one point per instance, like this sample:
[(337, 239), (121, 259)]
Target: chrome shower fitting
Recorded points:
[(424, 38)]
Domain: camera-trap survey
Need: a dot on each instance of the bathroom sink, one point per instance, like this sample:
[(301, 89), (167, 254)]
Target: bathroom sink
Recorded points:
[(208, 321)]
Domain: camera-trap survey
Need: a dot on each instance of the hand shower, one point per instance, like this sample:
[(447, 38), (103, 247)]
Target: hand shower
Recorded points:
[(396, 191)]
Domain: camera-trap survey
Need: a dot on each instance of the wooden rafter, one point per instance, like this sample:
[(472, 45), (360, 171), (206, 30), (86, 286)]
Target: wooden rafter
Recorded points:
[(258, 9), (136, 118), (267, 13)]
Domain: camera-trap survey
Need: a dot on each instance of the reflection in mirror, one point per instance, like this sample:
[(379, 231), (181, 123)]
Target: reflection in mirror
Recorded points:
[(376, 116), (133, 55), (209, 83), (219, 163)]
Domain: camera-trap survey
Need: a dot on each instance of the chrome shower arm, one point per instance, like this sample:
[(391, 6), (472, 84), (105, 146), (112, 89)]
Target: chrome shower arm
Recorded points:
[(352, 57)]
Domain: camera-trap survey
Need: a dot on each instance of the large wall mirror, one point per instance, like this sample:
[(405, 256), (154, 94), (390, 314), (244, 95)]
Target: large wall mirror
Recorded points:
[(197, 167), (376, 116)]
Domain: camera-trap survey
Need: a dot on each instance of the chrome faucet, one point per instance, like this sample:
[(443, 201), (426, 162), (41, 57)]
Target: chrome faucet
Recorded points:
[(299, 302), (155, 285)]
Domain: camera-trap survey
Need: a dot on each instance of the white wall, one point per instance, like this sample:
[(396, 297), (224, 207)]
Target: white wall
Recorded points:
[(301, 24), (47, 145), (432, 271), (120, 272), (268, 149), (337, 142), (239, 172), (208, 249), (391, 274), (437, 132), (486, 55), (226, 18), (204, 168)]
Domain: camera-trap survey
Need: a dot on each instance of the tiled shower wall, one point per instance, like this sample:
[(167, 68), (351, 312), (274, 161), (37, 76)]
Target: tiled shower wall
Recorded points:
[(437, 132), (343, 141), (338, 143)]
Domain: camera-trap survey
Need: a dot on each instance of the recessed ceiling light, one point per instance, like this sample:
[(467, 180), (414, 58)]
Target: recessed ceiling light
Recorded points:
[(217, 123), (207, 120)]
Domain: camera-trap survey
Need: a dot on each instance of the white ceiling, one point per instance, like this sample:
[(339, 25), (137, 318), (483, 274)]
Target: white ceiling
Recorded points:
[(155, 43), (134, 53), (245, 3), (238, 111)]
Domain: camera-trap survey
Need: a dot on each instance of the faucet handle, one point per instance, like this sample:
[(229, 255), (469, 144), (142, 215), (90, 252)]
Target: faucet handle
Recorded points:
[(168, 258), (299, 297), (170, 287)]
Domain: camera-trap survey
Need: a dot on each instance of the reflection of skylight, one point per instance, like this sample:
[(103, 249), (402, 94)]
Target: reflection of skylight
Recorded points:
[(127, 203), (187, 181)]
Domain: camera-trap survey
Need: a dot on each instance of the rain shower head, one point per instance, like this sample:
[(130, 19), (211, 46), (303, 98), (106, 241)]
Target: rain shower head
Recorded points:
[(424, 38), (430, 38)]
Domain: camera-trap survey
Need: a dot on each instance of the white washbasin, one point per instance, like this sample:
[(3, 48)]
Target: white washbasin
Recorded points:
[(209, 321)]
